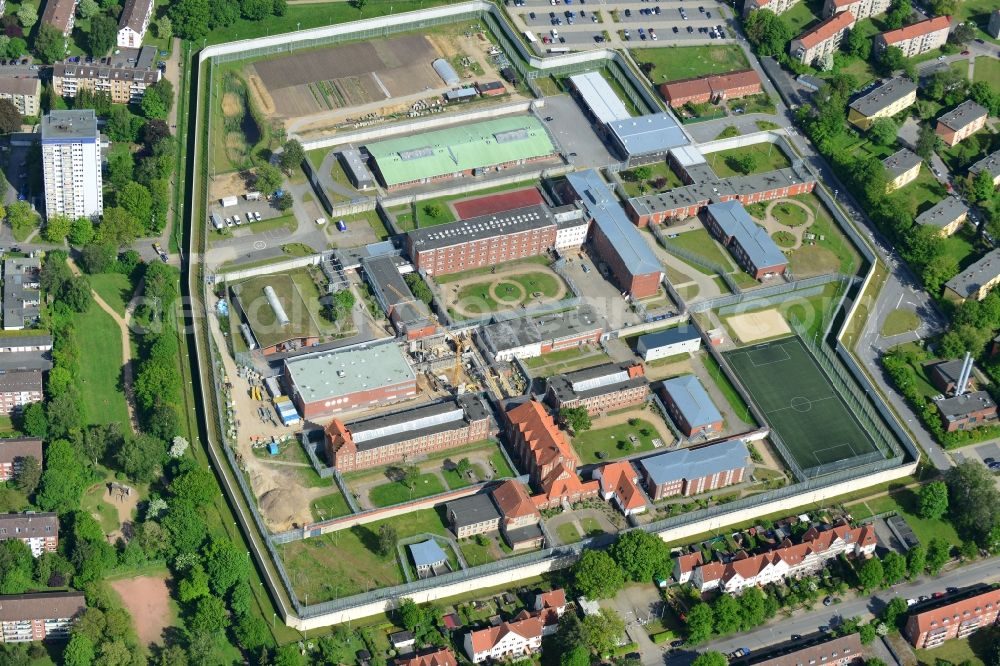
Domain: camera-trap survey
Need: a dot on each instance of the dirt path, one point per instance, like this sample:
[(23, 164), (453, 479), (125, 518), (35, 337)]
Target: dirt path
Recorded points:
[(452, 289), (122, 324), (773, 225)]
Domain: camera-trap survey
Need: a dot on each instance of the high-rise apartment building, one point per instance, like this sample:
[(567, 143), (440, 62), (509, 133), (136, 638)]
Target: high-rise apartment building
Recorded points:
[(71, 164)]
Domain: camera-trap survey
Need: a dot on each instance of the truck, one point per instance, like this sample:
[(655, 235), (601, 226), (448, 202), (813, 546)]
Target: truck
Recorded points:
[(228, 201), (252, 196)]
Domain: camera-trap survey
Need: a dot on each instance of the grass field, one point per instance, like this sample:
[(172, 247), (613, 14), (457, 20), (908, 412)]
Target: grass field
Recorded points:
[(900, 320), (486, 270), (100, 368), (922, 193), (799, 17), (787, 385), (395, 492), (656, 171), (906, 503), (682, 62), (329, 506), (833, 252), (262, 317), (614, 442), (568, 533), (566, 360), (769, 158), (512, 290), (789, 214), (701, 243), (114, 288), (474, 553), (986, 69)]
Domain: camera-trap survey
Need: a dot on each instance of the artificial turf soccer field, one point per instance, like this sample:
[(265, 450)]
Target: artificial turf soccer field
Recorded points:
[(800, 404)]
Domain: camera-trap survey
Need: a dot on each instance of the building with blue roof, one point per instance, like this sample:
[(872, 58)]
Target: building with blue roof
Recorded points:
[(750, 244), (427, 556), (690, 406), (613, 236), (648, 137), (683, 339), (692, 471)]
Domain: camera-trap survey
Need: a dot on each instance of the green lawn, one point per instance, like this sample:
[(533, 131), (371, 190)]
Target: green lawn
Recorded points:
[(789, 214), (975, 650), (725, 387), (474, 553), (657, 171), (512, 290), (922, 193), (681, 62), (503, 469), (961, 246), (370, 218), (591, 526), (833, 252), (113, 288), (456, 480), (347, 562), (100, 368), (93, 502), (900, 320), (905, 502), (701, 243), (614, 442), (568, 361), (799, 17), (486, 270), (333, 505), (768, 158), (986, 69), (568, 533), (395, 492), (404, 214)]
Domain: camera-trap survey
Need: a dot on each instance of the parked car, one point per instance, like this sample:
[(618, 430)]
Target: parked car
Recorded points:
[(652, 34), (827, 601), (627, 34), (531, 15)]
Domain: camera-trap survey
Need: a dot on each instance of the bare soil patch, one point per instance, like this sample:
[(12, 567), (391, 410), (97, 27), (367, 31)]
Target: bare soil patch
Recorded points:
[(231, 105), (259, 91), (753, 326), (148, 602)]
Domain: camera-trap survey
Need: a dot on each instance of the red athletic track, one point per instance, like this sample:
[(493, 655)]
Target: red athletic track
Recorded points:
[(497, 203)]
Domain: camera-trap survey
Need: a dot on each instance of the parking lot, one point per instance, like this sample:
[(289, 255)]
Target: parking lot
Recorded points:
[(24, 177), (988, 453)]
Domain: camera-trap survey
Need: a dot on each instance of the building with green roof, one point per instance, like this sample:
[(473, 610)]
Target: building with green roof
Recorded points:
[(460, 151)]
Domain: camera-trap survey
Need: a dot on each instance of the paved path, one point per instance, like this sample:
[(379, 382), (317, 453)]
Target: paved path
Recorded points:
[(451, 291), (122, 323)]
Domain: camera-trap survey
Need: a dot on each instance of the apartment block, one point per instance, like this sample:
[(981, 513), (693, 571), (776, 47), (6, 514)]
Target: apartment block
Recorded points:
[(903, 167), (917, 38), (961, 122), (931, 628), (39, 616), (603, 388), (825, 38), (827, 650), (71, 164), (61, 15), (125, 82), (21, 293), (991, 165), (776, 6), (23, 92), (38, 531), (861, 9), (947, 215), (977, 280), (14, 451), (134, 22), (506, 641), (18, 389), (884, 101)]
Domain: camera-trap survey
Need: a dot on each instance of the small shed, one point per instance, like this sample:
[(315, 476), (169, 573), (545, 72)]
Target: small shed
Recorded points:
[(446, 71), (427, 556), (403, 640), (460, 95)]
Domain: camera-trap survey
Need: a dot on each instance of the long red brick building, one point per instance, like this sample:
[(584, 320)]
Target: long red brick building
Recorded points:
[(384, 440), (958, 619), (603, 388), (715, 88)]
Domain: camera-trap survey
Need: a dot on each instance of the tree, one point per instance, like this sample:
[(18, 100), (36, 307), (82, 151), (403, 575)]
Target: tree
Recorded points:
[(15, 567), (603, 631), (33, 420), (710, 658), (285, 201), (974, 501), (292, 155), (10, 117), (387, 539), (867, 632), (252, 632), (576, 418), (87, 8), (339, 305), (28, 475), (916, 560), (871, 574), (963, 32), (577, 656), (358, 4), (981, 188), (209, 615), (767, 32), (27, 14), (20, 216), (50, 45), (80, 649), (224, 13), (726, 615), (120, 165), (899, 12), (858, 44), (933, 500), (196, 485), (269, 179), (137, 202), (158, 99), (410, 614), (255, 10), (892, 59), (894, 610), (56, 227), (227, 565), (118, 229), (164, 28), (744, 163), (77, 295), (185, 526), (16, 48), (700, 623), (419, 288), (641, 555), (140, 457), (122, 125), (81, 231), (597, 576), (938, 553), (102, 36), (193, 585), (883, 131), (754, 608), (189, 18), (894, 565)]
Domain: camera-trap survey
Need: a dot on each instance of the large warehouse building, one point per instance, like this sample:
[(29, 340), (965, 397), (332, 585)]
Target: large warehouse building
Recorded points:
[(343, 380), (483, 241), (468, 150), (615, 238), (531, 337)]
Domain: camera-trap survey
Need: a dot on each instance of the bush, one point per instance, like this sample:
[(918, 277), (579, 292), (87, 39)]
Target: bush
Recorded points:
[(662, 637)]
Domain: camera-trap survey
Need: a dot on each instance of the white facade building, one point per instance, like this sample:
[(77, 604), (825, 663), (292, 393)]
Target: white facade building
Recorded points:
[(678, 340), (508, 640), (570, 235), (71, 164), (134, 23)]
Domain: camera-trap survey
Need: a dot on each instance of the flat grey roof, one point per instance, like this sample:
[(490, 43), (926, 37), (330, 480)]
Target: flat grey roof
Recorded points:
[(599, 97), (472, 510), (687, 156), (429, 419), (42, 340), (21, 381), (427, 553), (963, 405), (696, 463), (652, 133), (562, 386), (886, 94), (536, 216), (990, 163), (63, 125), (975, 276), (943, 212), (20, 297), (330, 374), (603, 206), (962, 115), (692, 400), (25, 361), (755, 241), (670, 336), (351, 159), (529, 330), (901, 161)]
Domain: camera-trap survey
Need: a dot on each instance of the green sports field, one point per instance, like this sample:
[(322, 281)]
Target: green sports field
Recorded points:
[(802, 406)]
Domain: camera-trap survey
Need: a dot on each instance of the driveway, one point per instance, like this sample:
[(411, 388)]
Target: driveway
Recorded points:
[(638, 604)]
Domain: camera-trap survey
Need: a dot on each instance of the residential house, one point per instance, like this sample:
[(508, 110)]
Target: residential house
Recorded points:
[(822, 40), (961, 122), (947, 215), (926, 629), (125, 80), (776, 6), (520, 518), (903, 167), (509, 640), (439, 657), (826, 649), (38, 531), (685, 565), (550, 606), (61, 15), (39, 616), (24, 92), (21, 292), (885, 101), (18, 389), (403, 641), (14, 451), (472, 515), (620, 484), (916, 38)]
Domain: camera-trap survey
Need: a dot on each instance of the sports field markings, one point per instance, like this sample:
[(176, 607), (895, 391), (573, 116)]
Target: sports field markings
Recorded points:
[(801, 404), (848, 445), (766, 363)]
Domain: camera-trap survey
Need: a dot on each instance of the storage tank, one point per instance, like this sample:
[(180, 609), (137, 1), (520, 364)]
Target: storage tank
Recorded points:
[(446, 71), (279, 312)]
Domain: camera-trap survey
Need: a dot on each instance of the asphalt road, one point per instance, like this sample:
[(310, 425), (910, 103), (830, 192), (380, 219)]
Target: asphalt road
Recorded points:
[(808, 622)]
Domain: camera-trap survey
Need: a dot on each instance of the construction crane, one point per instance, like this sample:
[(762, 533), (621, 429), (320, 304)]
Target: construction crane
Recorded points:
[(460, 346)]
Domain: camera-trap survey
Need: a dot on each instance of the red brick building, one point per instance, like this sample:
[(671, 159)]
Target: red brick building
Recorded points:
[(14, 451), (351, 378), (604, 388), (695, 470), (39, 616), (387, 439), (930, 628), (18, 389), (487, 240), (967, 411), (700, 90), (38, 531), (519, 517)]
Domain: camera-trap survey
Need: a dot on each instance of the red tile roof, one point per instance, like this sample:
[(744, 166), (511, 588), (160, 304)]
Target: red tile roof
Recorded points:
[(619, 477), (917, 30), (443, 657), (485, 639), (733, 80), (956, 612), (552, 599), (539, 430), (513, 500), (826, 29), (687, 563), (563, 482)]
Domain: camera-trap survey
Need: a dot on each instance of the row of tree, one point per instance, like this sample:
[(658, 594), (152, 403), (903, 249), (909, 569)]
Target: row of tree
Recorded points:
[(193, 19)]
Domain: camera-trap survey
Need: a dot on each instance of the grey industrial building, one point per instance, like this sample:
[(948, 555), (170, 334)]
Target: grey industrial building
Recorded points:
[(356, 168), (408, 314), (528, 337)]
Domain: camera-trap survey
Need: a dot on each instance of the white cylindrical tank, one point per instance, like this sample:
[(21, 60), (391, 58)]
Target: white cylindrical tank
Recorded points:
[(279, 312)]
